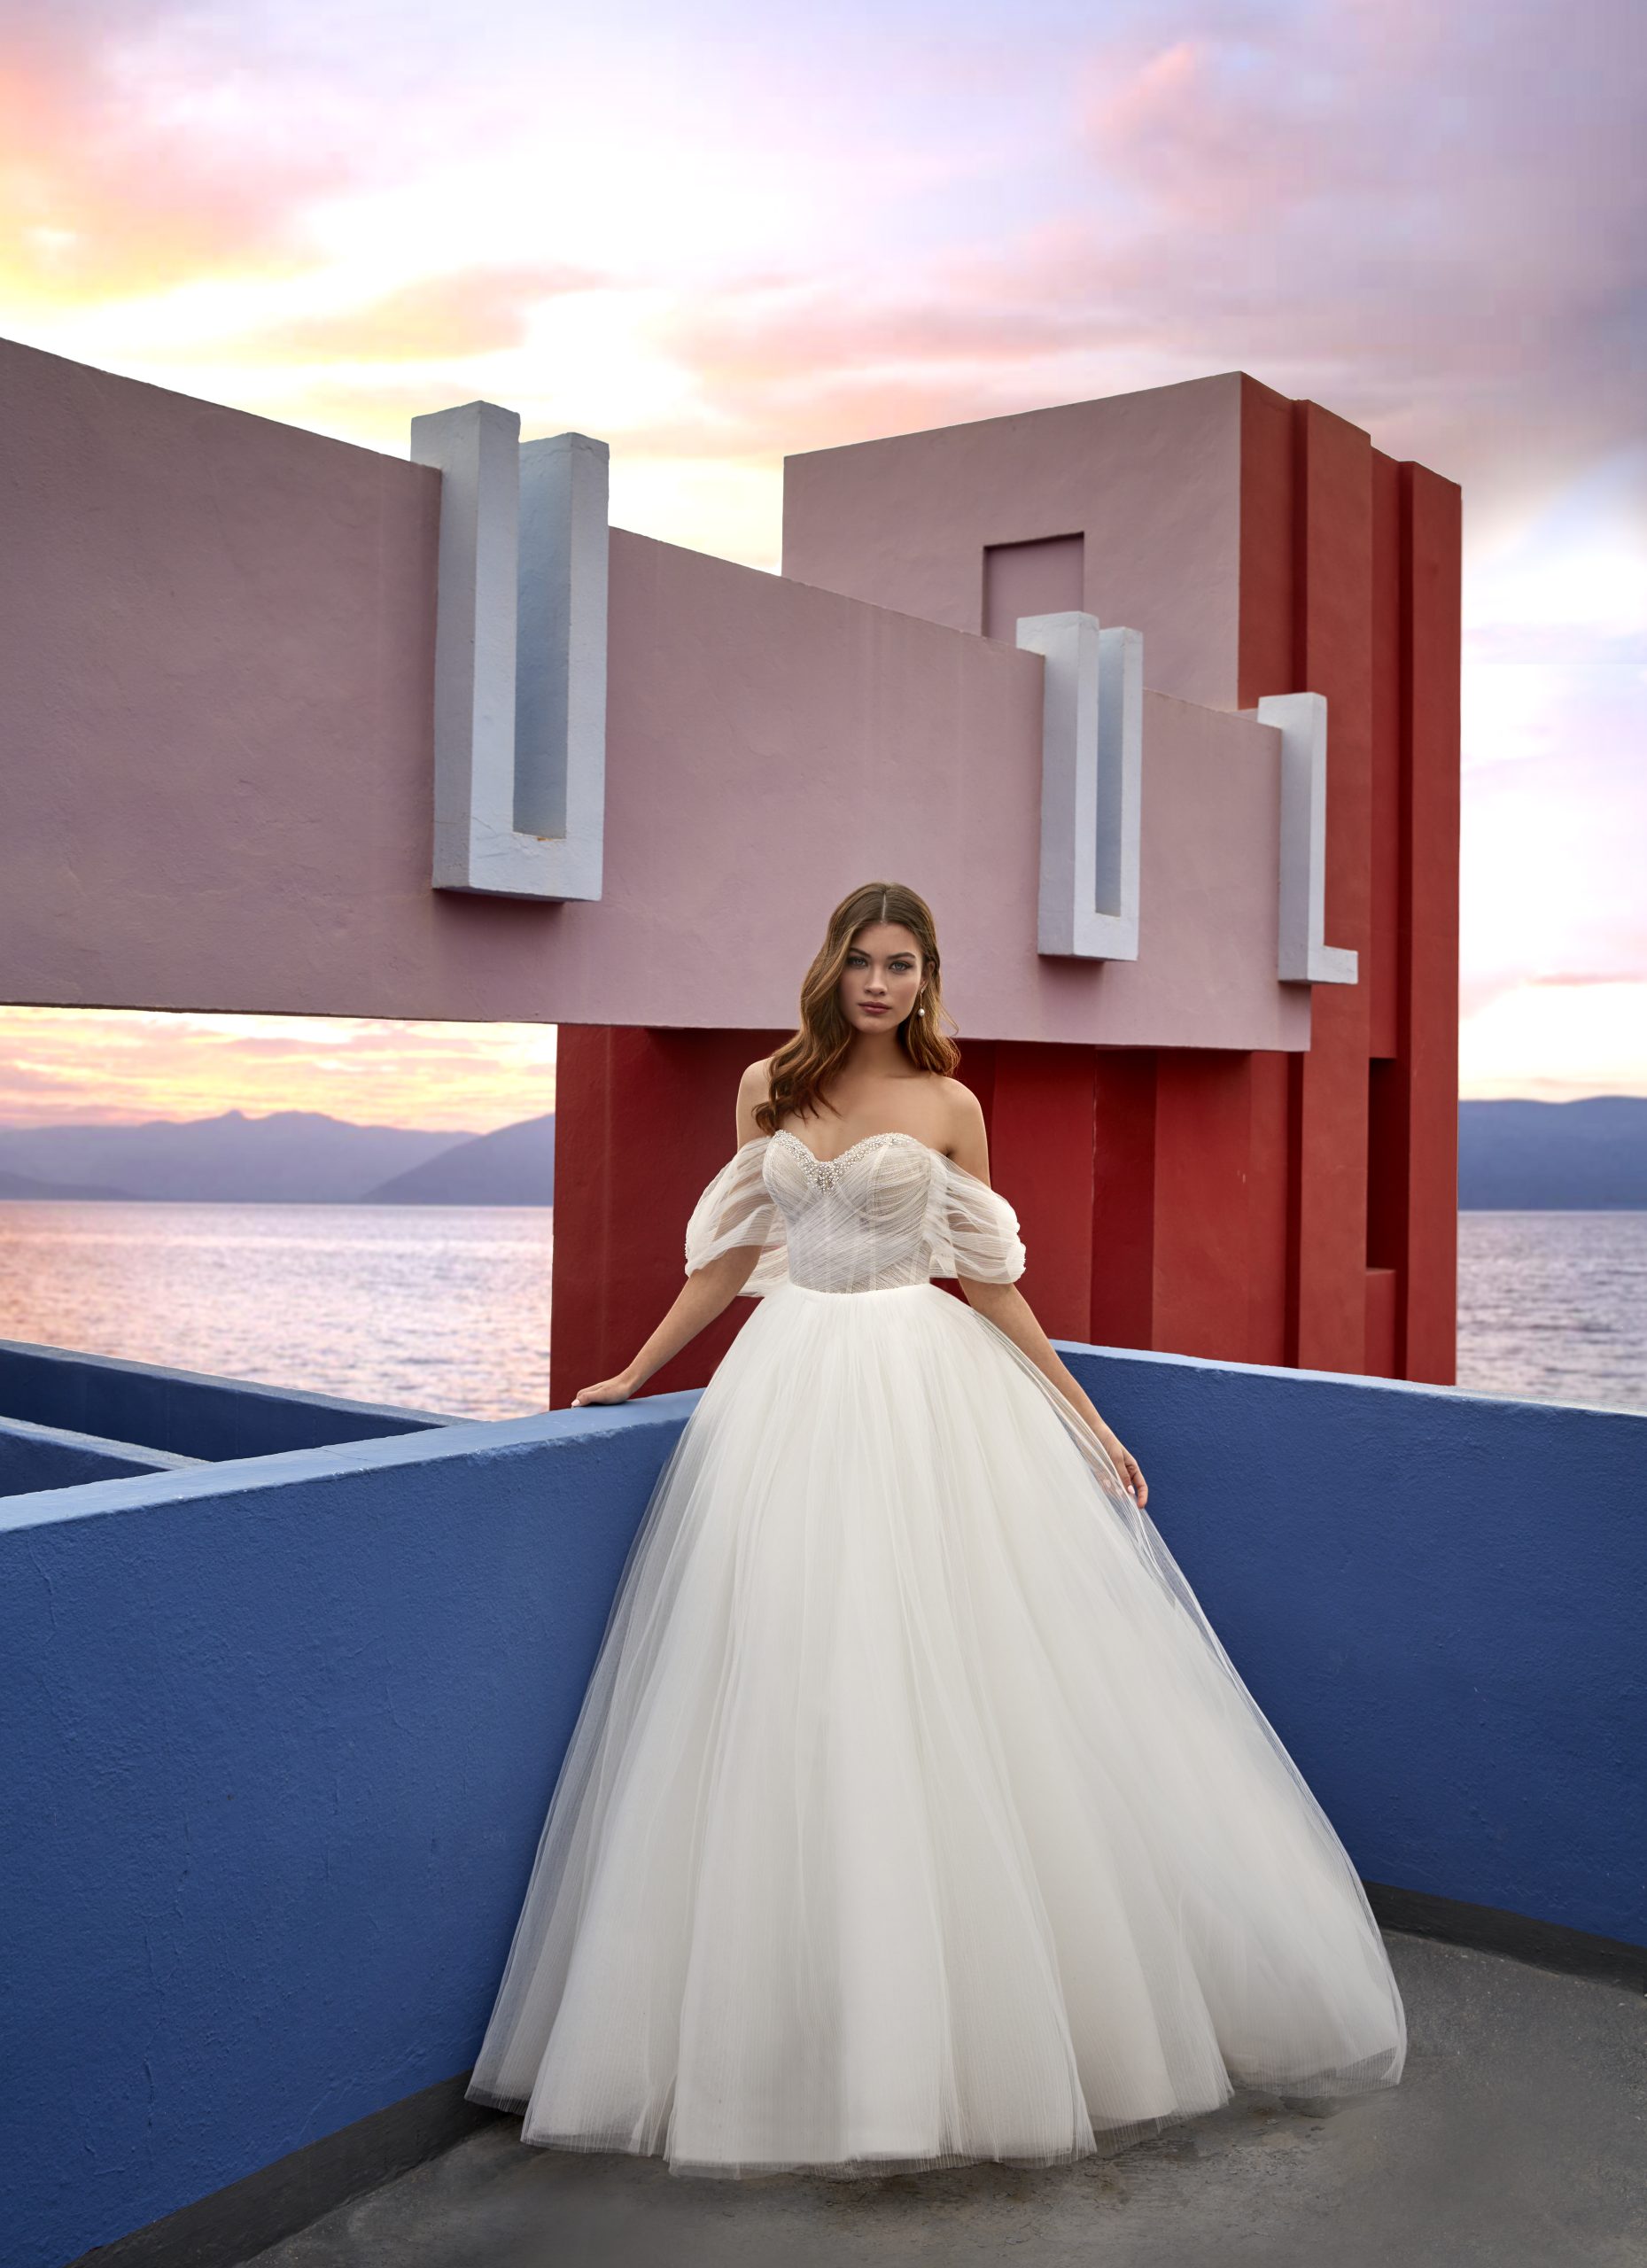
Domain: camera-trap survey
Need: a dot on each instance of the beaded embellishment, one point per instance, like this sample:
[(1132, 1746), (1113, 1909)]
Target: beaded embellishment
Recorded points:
[(821, 1171)]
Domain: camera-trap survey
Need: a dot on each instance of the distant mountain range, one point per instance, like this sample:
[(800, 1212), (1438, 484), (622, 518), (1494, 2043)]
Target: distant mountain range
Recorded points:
[(513, 1166), (293, 1157), (1512, 1156), (1589, 1156)]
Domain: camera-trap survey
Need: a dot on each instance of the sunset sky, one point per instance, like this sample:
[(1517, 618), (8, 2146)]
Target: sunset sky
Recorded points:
[(714, 234)]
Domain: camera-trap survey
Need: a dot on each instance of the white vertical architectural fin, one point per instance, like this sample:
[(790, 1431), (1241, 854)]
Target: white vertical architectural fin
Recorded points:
[(1304, 956), (520, 655), (1091, 784)]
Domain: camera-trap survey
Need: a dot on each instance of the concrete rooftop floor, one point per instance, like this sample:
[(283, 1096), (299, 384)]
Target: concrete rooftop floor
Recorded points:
[(1517, 2139)]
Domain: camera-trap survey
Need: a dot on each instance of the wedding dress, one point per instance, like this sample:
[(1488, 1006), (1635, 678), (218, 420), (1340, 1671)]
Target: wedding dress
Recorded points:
[(914, 1814)]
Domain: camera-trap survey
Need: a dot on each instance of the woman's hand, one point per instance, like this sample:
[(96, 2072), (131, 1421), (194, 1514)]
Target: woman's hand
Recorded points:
[(617, 1389), (1128, 1466), (1004, 1306)]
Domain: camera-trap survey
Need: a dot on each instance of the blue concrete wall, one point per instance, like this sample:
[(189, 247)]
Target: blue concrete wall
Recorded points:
[(188, 1412), (279, 1737), (1438, 1600), (46, 1457), (278, 1740)]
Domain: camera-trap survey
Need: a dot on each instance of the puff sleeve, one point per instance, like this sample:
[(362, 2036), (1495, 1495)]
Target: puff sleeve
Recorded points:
[(736, 1209), (972, 1230)]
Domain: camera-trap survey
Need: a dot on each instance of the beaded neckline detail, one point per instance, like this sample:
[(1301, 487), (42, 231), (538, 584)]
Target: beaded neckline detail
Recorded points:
[(822, 1171)]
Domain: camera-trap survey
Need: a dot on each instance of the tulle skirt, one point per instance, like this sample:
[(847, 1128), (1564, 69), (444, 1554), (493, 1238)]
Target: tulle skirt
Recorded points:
[(915, 1815)]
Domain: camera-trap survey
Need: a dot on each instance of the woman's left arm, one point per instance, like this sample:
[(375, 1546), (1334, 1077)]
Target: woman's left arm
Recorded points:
[(1005, 1307)]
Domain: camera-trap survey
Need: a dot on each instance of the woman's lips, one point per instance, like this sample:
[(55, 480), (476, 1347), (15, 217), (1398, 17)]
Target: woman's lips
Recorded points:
[(871, 1008)]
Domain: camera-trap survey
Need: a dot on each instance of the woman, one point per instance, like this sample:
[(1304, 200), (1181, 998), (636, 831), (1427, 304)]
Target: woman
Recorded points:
[(914, 1814)]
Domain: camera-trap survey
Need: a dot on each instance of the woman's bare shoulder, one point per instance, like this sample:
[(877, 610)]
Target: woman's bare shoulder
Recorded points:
[(964, 1110), (754, 1088), (967, 1138)]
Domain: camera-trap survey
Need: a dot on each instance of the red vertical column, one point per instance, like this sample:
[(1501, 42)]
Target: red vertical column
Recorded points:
[(1388, 901), (1306, 625), (1202, 1202), (1268, 1209), (1412, 1192), (1150, 1217), (1190, 1202), (1121, 1302), (1269, 663), (1388, 1158), (1041, 1158), (1432, 640), (1334, 507)]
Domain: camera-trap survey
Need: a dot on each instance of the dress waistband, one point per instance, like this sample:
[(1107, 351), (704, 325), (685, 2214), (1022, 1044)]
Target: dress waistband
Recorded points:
[(862, 1291)]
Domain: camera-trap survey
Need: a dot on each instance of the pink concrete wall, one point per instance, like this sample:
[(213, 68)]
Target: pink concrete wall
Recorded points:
[(216, 639), (1048, 577), (216, 696), (1152, 481)]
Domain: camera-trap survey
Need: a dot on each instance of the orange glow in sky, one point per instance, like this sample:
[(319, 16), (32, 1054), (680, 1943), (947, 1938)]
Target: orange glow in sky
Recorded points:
[(113, 1067)]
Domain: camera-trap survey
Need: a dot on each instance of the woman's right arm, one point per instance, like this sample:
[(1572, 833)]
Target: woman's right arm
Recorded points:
[(698, 1301), (706, 1292)]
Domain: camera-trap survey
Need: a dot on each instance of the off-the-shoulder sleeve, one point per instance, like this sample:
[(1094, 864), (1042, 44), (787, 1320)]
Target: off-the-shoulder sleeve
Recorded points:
[(972, 1230), (736, 1209)]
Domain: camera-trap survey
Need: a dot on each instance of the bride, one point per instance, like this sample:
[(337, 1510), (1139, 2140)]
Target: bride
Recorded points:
[(914, 1814)]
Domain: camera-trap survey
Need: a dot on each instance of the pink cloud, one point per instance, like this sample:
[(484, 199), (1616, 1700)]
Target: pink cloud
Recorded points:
[(1585, 977), (474, 311), (1376, 207), (109, 185)]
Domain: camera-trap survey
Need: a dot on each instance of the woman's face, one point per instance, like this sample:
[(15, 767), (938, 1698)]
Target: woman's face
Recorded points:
[(881, 977)]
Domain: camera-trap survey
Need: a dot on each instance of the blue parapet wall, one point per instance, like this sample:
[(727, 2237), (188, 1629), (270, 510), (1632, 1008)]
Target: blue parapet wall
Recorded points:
[(278, 1740), (280, 1735), (47, 1456), (186, 1413), (1437, 1598)]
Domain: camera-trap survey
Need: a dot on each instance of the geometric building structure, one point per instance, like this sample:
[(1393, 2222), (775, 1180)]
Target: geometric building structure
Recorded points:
[(1153, 698), (1270, 1205)]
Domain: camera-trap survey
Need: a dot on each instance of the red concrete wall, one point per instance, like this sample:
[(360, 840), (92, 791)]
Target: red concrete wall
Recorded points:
[(1350, 580), (1427, 1083), (1264, 1207), (1260, 1207), (643, 1118)]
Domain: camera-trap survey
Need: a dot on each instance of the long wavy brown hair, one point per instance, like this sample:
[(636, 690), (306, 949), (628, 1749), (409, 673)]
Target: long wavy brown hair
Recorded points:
[(803, 1066)]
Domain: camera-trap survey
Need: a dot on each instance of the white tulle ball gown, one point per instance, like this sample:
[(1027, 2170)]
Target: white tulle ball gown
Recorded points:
[(914, 1814)]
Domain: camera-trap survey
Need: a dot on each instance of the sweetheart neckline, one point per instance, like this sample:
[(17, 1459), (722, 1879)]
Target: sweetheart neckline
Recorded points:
[(890, 1134)]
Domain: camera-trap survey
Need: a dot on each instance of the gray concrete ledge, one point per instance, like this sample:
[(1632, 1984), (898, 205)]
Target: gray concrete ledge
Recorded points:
[(1514, 2140)]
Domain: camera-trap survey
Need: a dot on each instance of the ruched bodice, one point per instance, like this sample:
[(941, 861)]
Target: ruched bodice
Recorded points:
[(889, 1211)]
